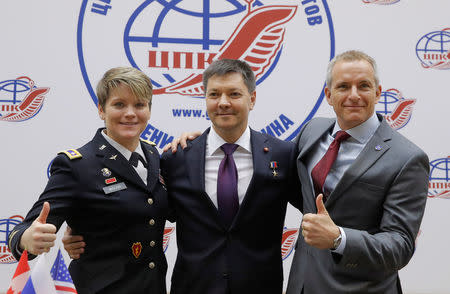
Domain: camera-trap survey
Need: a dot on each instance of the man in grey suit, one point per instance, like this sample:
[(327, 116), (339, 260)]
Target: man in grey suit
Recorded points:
[(362, 208)]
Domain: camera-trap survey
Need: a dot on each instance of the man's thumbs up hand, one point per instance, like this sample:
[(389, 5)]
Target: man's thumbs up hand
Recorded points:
[(320, 206), (318, 229), (40, 236)]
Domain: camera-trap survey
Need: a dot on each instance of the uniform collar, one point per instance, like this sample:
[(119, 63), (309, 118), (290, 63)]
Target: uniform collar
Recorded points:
[(124, 151)]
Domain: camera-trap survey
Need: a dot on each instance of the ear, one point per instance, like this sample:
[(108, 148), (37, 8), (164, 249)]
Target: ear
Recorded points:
[(252, 100), (378, 93), (101, 113), (328, 95)]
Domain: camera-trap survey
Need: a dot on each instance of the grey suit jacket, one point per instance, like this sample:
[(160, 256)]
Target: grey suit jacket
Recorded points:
[(379, 202)]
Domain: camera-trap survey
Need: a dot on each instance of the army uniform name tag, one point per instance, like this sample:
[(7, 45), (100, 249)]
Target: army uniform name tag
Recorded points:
[(114, 188)]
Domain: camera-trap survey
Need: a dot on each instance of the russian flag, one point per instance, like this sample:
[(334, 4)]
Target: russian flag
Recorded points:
[(20, 276), (40, 281)]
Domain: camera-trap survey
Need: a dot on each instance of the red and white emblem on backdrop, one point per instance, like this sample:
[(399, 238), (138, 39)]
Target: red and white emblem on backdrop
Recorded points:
[(288, 242), (21, 106), (287, 43)]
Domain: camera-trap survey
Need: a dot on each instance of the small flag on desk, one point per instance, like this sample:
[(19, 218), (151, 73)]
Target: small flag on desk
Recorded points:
[(20, 276), (40, 281), (61, 276)]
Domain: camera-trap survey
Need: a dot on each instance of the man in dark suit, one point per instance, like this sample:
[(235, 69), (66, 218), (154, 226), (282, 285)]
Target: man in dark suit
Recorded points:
[(228, 233), (219, 253), (363, 202)]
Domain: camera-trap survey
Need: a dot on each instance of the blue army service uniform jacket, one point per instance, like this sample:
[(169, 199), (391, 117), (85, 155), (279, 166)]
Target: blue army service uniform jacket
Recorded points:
[(123, 229), (246, 257)]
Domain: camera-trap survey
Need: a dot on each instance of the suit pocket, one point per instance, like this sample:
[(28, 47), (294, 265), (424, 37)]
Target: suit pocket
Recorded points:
[(369, 186), (97, 275)]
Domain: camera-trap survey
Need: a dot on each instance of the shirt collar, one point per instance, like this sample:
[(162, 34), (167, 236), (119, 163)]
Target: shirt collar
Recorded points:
[(214, 141), (124, 151), (362, 132)]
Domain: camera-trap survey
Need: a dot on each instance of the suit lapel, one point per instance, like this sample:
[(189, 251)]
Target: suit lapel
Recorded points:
[(195, 161), (261, 163), (195, 155), (372, 152), (311, 135), (115, 161)]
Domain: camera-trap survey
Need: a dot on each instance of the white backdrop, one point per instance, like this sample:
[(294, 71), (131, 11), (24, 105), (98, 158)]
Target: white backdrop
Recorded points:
[(66, 46)]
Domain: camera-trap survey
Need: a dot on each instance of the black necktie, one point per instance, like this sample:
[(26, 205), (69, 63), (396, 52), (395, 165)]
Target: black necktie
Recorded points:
[(135, 157)]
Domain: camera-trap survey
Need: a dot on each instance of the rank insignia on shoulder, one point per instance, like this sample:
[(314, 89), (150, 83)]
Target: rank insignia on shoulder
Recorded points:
[(136, 249), (148, 142), (71, 153)]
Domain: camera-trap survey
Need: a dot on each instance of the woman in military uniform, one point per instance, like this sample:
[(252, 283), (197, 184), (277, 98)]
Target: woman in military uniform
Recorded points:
[(110, 192)]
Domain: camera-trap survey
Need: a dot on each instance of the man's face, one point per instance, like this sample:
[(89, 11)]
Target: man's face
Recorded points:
[(353, 92), (228, 103)]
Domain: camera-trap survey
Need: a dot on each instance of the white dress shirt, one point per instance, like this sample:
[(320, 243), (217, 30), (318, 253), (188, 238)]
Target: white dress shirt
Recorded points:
[(242, 157), (348, 151), (140, 169)]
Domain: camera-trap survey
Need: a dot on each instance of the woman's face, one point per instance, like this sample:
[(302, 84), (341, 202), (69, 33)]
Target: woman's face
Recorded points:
[(125, 116)]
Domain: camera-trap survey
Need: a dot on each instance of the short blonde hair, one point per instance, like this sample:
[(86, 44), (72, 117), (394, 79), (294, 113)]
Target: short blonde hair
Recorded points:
[(349, 56), (139, 83)]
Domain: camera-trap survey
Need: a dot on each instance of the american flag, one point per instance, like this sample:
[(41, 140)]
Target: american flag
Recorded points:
[(61, 276)]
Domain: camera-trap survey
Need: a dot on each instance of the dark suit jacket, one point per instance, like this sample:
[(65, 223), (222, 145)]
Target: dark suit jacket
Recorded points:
[(110, 223), (245, 258), (379, 202)]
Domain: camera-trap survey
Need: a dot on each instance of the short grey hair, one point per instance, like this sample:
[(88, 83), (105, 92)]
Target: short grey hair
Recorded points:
[(224, 66), (349, 56)]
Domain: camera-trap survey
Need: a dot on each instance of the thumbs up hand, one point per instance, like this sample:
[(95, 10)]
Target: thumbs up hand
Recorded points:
[(40, 236), (318, 229)]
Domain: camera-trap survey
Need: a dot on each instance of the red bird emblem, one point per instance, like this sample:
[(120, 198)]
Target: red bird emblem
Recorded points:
[(287, 242), (402, 112), (257, 39), (30, 105), (444, 194), (166, 238)]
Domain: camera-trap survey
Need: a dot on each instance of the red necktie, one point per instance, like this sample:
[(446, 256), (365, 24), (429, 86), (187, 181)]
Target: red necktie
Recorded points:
[(320, 171)]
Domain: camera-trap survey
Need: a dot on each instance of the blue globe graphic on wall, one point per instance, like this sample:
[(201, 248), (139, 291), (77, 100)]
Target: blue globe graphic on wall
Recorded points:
[(440, 169), (174, 11), (388, 101), (10, 90), (437, 42)]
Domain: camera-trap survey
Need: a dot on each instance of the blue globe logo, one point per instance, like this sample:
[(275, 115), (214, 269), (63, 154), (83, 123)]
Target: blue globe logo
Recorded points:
[(440, 169), (388, 101), (433, 49), (161, 32), (10, 90), (6, 226)]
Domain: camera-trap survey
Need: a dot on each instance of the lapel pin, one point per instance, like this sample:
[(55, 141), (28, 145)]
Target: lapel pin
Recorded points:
[(378, 148), (113, 157), (110, 180), (102, 147), (266, 149), (106, 172), (274, 166)]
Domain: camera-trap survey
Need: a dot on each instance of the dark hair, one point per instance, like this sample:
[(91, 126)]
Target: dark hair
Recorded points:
[(224, 66)]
